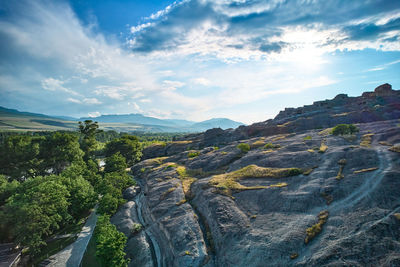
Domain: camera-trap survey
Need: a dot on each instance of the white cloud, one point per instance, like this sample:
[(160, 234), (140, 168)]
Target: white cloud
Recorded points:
[(91, 101), (51, 84), (201, 81), (94, 114)]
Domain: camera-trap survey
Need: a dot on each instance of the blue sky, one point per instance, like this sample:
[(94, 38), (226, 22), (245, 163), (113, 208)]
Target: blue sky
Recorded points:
[(195, 59)]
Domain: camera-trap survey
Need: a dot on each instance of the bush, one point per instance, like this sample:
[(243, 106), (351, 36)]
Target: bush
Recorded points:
[(110, 243), (244, 147), (342, 129), (271, 146), (108, 204), (308, 137), (193, 154)]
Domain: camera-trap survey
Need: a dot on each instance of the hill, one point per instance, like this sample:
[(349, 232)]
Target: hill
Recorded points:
[(284, 192), (14, 120)]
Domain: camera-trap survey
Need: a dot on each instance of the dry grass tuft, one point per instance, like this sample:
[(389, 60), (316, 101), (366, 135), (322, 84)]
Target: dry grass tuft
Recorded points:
[(366, 170), (323, 148), (314, 230), (384, 143), (395, 148), (326, 132), (366, 140), (228, 182), (280, 137)]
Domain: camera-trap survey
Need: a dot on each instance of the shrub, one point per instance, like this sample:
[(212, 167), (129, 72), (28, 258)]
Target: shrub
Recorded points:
[(308, 137), (136, 228), (342, 129), (193, 154), (271, 146), (244, 147)]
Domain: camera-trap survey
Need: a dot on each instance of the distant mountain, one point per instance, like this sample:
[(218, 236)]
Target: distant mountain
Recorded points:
[(11, 119), (174, 125), (222, 123)]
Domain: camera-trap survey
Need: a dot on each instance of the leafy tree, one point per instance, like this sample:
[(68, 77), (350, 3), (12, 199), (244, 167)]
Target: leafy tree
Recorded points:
[(37, 209), (59, 150), (108, 204), (110, 243), (129, 147), (115, 163), (82, 195), (7, 188), (19, 156), (88, 129)]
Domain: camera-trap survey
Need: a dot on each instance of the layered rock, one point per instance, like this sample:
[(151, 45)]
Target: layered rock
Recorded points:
[(208, 209)]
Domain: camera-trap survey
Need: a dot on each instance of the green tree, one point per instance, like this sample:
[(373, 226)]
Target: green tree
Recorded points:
[(60, 150), (82, 195), (19, 156), (342, 129), (115, 163), (110, 243), (7, 188), (88, 129), (129, 147), (37, 209), (108, 204)]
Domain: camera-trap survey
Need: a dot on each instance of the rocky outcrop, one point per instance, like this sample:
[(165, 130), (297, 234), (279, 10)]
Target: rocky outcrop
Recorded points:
[(224, 206)]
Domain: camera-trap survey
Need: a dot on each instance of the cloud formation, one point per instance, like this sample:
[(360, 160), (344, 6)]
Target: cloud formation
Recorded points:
[(255, 28)]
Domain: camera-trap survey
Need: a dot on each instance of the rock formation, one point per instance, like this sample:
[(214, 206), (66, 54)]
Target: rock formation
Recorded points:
[(299, 197)]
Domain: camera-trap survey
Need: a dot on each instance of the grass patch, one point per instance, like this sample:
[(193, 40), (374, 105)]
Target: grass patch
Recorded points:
[(271, 146), (323, 147), (280, 137), (314, 230), (158, 160), (244, 147), (285, 124), (182, 201), (309, 171), (228, 182), (366, 140), (258, 143), (366, 170), (89, 258), (326, 132), (294, 256), (186, 179), (193, 154), (311, 150), (308, 137), (384, 143), (395, 148), (169, 191)]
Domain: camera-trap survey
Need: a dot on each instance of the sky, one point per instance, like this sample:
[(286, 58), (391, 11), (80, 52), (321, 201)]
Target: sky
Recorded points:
[(193, 59)]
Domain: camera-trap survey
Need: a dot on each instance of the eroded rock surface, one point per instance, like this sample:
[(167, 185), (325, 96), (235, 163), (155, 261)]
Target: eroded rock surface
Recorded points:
[(211, 209)]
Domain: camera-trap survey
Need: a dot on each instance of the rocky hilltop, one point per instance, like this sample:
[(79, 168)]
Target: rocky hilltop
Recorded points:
[(284, 192)]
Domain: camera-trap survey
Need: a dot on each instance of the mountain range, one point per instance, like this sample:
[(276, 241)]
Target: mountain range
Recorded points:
[(12, 119)]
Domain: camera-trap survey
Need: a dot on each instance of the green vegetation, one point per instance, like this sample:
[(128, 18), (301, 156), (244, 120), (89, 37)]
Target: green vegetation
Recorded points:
[(228, 182), (244, 147), (342, 129), (308, 137), (366, 170), (316, 228), (128, 146), (136, 228), (49, 182), (110, 243), (193, 154), (271, 146), (88, 130)]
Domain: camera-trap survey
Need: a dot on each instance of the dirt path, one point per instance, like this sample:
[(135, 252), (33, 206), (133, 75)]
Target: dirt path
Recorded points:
[(73, 254)]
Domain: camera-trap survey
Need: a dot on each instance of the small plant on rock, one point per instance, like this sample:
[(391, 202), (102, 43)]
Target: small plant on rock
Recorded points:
[(244, 147)]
